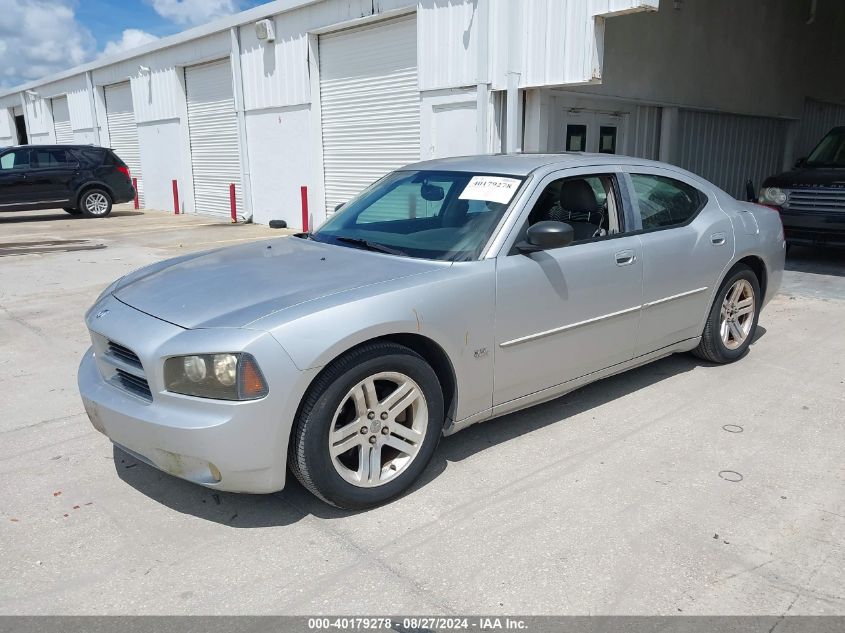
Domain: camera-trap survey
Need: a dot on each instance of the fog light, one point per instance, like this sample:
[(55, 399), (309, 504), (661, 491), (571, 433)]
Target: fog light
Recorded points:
[(195, 368), (226, 368)]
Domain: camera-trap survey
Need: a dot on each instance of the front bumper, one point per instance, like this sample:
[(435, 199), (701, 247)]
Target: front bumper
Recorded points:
[(814, 228), (233, 446)]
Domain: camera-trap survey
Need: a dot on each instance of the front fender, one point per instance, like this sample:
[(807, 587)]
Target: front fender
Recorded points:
[(454, 308)]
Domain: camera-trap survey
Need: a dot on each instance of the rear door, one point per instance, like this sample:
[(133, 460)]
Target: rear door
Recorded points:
[(51, 175), (14, 181), (687, 241)]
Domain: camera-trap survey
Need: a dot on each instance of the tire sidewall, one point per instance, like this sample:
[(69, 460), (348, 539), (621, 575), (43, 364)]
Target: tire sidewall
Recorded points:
[(326, 479), (84, 197), (741, 272)]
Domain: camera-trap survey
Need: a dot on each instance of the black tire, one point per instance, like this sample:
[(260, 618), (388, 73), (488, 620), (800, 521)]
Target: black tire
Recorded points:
[(72, 211), (711, 347), (308, 454), (92, 210)]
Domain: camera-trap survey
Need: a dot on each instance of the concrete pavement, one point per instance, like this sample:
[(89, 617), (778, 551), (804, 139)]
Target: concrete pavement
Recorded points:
[(679, 487)]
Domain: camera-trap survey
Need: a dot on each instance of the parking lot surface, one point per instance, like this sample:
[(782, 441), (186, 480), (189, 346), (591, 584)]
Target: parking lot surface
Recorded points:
[(680, 487)]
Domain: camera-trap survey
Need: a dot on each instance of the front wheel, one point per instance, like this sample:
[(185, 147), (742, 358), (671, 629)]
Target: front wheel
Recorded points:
[(368, 426), (732, 321), (95, 203)]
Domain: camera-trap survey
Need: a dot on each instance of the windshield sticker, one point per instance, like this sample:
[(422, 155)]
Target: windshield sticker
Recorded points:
[(490, 188)]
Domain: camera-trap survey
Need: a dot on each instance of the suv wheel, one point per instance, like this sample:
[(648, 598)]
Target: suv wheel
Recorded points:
[(368, 426), (95, 203)]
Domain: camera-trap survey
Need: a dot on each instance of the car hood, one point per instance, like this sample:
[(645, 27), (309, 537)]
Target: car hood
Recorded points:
[(808, 177), (234, 286)]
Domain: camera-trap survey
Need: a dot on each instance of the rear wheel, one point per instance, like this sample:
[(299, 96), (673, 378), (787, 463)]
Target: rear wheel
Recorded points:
[(732, 321), (368, 426), (95, 203), (72, 211)]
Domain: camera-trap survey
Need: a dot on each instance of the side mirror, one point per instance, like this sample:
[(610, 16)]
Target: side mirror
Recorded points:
[(546, 235), (801, 162), (750, 194)]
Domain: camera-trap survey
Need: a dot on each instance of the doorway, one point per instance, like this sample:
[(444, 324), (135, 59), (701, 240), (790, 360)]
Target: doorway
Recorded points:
[(20, 126), (594, 131)]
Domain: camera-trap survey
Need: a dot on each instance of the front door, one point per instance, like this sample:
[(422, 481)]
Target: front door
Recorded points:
[(14, 181), (571, 311)]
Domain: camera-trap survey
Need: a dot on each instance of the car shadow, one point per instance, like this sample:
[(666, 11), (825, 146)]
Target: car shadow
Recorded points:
[(50, 216), (816, 260), (294, 502)]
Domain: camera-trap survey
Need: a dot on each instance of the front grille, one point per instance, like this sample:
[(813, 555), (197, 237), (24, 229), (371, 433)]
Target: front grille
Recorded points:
[(134, 384), (124, 353), (821, 199)]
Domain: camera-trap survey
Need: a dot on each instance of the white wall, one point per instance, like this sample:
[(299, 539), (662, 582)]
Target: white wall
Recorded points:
[(448, 120), (752, 57), (8, 133), (162, 161), (280, 162)]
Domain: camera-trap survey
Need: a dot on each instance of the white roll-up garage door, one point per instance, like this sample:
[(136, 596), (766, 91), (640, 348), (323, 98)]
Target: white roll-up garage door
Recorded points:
[(123, 131), (61, 121), (213, 126), (370, 105)]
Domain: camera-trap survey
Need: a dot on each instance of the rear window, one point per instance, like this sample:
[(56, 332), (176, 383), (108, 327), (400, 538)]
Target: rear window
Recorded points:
[(93, 155)]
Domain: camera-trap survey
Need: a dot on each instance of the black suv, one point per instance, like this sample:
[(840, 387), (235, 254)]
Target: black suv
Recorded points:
[(81, 179), (811, 197)]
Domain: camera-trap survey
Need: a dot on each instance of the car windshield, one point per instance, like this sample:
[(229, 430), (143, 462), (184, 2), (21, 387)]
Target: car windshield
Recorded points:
[(830, 152), (439, 215)]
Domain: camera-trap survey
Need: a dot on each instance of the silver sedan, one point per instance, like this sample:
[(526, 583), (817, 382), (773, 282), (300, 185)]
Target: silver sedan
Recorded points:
[(448, 293)]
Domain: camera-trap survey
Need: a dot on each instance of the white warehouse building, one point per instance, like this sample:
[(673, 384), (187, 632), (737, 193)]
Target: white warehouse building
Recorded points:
[(329, 95)]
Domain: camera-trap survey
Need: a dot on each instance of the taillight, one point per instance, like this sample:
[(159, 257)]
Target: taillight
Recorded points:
[(124, 170)]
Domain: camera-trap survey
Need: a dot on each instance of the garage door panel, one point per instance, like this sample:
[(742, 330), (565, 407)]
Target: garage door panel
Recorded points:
[(370, 105), (123, 131), (213, 131), (61, 121)]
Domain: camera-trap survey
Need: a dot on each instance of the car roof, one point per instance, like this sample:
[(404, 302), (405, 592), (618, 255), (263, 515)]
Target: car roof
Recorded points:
[(57, 146), (522, 164)]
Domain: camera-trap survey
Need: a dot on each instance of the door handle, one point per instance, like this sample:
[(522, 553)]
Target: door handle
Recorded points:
[(625, 258), (718, 239)]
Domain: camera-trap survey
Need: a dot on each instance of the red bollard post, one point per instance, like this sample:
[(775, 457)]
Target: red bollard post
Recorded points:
[(233, 204), (304, 195), (175, 198), (135, 187)]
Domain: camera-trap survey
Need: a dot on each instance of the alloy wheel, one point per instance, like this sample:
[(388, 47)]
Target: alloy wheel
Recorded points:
[(96, 203), (737, 314), (378, 429)]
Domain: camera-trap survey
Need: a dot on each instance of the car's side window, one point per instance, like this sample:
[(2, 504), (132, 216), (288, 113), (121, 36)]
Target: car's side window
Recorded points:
[(665, 202), (47, 158), (17, 159), (588, 203)]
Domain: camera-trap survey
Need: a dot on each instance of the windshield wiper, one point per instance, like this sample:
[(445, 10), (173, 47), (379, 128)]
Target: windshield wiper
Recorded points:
[(371, 246)]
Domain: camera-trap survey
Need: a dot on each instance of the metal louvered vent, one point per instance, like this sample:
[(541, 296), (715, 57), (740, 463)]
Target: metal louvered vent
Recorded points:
[(370, 105), (123, 131)]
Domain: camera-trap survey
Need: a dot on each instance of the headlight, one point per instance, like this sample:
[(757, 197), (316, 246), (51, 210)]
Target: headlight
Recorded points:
[(773, 195), (219, 376)]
